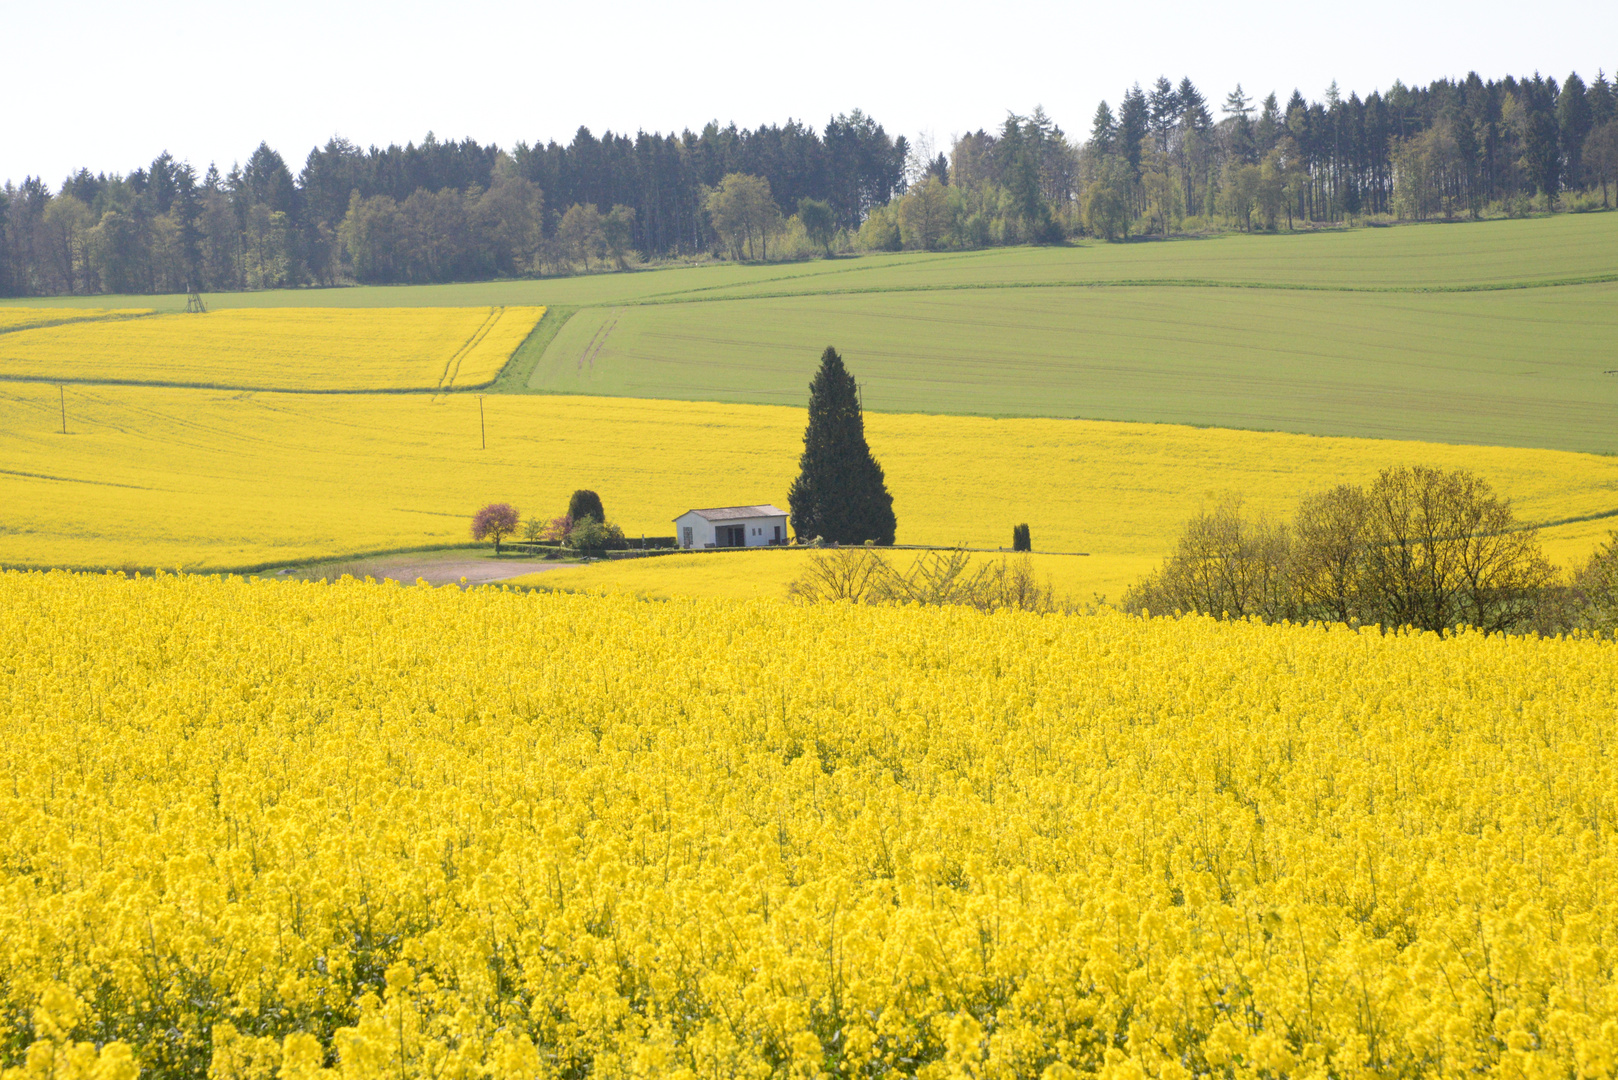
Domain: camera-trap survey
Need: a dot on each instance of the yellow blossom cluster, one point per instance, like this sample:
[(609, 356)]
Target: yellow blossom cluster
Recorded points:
[(182, 478), (288, 830), (272, 348)]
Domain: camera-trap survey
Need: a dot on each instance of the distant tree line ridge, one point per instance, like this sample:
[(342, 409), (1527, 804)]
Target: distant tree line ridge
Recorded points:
[(433, 211), (1456, 148), (1167, 159)]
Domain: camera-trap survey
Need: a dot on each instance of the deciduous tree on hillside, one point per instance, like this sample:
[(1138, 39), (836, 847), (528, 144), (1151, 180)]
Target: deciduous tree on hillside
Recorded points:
[(744, 215), (494, 522), (1106, 204), (618, 233), (1601, 156), (581, 233), (840, 494), (819, 223), (924, 215)]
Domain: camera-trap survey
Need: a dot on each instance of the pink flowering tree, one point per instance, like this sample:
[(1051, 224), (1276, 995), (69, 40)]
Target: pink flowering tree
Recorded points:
[(557, 531), (494, 522)]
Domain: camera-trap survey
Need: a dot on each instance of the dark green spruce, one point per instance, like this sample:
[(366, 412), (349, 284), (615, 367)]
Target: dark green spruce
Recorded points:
[(840, 494)]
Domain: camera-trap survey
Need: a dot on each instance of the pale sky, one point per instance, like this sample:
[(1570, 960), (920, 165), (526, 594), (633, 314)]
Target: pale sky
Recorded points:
[(109, 86)]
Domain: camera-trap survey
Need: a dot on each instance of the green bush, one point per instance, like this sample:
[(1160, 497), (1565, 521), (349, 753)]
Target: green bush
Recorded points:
[(590, 534)]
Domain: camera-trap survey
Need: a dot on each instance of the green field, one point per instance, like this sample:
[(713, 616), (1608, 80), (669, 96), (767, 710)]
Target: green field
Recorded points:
[(1497, 332), (1520, 368), (1469, 255)]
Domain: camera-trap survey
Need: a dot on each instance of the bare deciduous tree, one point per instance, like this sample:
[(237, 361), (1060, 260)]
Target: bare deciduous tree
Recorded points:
[(863, 575), (1595, 589), (1443, 550), (1419, 547), (1329, 538), (1225, 564)]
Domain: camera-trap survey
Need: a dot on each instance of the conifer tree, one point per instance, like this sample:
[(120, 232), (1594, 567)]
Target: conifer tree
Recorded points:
[(586, 503), (840, 494)]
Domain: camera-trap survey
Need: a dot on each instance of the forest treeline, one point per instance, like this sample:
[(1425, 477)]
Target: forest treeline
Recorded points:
[(1167, 159)]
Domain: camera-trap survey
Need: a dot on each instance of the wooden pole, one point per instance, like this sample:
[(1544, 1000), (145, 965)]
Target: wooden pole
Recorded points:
[(61, 393), (482, 427)]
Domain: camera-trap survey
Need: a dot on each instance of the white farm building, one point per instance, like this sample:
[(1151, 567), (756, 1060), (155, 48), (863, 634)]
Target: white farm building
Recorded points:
[(731, 526)]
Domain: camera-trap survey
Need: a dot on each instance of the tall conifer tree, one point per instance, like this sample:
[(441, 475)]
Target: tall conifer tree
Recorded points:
[(840, 494)]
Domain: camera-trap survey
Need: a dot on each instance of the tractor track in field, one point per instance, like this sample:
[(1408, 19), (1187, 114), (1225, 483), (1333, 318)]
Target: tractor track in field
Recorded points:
[(598, 340), (452, 366)]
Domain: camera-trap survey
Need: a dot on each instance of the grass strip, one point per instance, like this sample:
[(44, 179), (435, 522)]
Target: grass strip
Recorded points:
[(513, 378)]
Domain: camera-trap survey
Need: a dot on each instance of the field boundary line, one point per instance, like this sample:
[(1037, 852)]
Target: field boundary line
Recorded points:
[(658, 552), (936, 257), (1599, 516), (73, 480), (1134, 283), (75, 322), (251, 568), (44, 380)]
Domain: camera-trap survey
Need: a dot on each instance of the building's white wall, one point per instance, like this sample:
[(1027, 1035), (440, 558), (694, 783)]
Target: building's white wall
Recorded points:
[(760, 530), (701, 531)]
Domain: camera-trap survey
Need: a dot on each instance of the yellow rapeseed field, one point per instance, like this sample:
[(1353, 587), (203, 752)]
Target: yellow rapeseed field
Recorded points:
[(258, 830), (22, 318), (767, 572), (155, 476), (279, 348)]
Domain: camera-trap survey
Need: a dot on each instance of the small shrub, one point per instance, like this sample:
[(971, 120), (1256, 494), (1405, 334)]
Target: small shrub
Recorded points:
[(594, 535), (864, 575), (557, 530), (840, 574)]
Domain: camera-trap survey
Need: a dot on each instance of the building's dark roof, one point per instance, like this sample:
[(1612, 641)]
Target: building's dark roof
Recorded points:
[(731, 513)]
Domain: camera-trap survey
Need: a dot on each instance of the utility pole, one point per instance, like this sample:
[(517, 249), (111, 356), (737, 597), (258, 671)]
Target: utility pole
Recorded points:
[(61, 393), (482, 426)]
